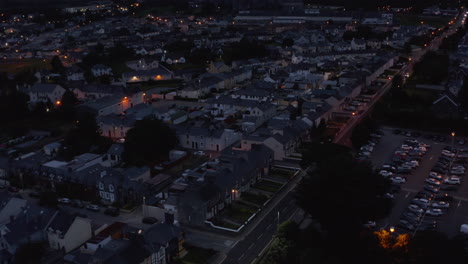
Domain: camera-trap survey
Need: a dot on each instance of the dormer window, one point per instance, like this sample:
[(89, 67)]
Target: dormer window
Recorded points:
[(101, 186), (111, 188)]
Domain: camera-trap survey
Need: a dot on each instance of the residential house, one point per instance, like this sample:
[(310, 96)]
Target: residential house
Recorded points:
[(113, 156), (358, 44), (25, 224), (143, 64), (157, 74), (216, 185), (67, 232), (101, 70), (225, 106), (43, 93), (75, 73), (122, 185), (446, 106), (96, 91), (206, 138), (218, 67), (114, 104)]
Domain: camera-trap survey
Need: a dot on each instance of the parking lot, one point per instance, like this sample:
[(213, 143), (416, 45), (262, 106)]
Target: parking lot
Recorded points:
[(452, 217)]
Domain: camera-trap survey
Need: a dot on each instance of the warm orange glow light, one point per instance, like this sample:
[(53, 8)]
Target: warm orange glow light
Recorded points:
[(158, 77), (58, 103)]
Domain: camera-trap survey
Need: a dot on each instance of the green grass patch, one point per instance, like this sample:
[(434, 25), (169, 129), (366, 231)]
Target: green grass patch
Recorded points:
[(283, 173), (226, 224), (18, 65), (120, 68), (240, 212), (196, 255), (258, 199), (268, 186)]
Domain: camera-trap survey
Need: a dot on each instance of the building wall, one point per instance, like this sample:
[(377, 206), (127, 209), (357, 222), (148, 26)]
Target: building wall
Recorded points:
[(78, 233)]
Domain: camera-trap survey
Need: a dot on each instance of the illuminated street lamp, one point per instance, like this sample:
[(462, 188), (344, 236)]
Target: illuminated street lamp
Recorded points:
[(392, 229), (453, 138)]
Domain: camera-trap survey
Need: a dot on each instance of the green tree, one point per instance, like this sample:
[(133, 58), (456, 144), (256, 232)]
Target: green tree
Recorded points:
[(433, 68), (30, 253), (57, 65), (84, 137), (288, 42), (340, 193), (148, 142)]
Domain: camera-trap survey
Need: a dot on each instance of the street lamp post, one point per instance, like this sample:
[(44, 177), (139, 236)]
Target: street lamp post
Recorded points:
[(453, 139)]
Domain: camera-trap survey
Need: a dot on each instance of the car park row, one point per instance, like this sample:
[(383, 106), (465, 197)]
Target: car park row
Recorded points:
[(429, 204)]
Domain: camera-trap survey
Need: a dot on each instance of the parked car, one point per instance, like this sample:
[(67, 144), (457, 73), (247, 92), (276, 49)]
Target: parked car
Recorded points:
[(435, 175), (149, 220), (433, 182), (404, 224), (112, 211), (63, 200), (385, 173), (441, 204), (398, 180), (13, 189), (452, 180), (431, 189), (93, 207), (434, 212), (415, 209)]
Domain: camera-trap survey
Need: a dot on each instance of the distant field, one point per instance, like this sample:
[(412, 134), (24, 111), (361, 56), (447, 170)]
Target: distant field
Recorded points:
[(39, 3), (413, 20), (16, 65)]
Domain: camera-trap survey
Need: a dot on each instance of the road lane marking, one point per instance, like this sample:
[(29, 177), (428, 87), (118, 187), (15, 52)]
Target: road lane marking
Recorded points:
[(259, 236), (241, 256), (251, 245), (430, 158), (459, 202), (268, 227), (407, 194)]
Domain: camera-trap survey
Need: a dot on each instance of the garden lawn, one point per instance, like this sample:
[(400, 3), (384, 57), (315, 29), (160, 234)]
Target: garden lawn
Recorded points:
[(268, 186)]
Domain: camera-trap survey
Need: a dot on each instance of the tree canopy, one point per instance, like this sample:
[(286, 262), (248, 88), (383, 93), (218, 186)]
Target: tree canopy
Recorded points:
[(85, 136), (340, 192), (148, 142)]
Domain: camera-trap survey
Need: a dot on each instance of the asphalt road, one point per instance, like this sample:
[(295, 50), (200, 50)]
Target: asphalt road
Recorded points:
[(246, 250), (344, 134)]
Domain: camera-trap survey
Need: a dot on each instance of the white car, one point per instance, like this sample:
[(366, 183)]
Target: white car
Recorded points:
[(93, 207), (415, 162), (199, 153), (385, 173), (424, 145), (449, 154), (434, 212), (397, 180), (435, 176), (433, 182), (414, 208), (387, 167), (452, 180), (440, 204), (406, 147), (422, 200)]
